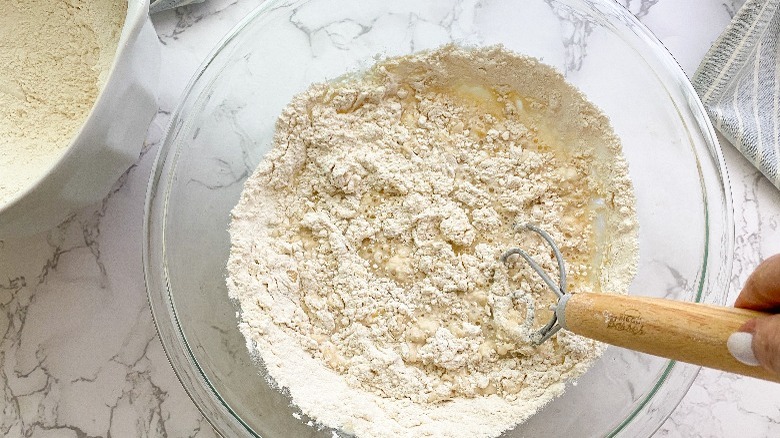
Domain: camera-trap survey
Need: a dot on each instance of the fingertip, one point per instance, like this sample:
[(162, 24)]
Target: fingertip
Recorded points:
[(762, 288), (749, 297)]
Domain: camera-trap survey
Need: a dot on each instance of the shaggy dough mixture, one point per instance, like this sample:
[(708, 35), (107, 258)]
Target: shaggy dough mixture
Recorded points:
[(365, 247)]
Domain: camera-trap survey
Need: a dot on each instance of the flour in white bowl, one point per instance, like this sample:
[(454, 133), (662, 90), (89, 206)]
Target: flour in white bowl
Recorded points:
[(54, 60), (365, 247)]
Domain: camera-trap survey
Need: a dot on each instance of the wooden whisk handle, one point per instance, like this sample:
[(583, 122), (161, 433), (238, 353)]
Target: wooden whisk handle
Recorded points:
[(688, 332)]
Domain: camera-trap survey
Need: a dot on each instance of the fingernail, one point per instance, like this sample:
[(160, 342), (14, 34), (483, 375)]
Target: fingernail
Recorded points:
[(740, 345)]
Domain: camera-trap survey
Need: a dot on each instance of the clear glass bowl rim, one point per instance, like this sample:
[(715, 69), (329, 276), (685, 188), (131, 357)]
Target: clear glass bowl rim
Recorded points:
[(193, 379)]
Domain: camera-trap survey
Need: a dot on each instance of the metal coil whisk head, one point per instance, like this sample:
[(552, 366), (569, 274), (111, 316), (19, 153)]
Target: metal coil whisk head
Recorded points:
[(558, 288)]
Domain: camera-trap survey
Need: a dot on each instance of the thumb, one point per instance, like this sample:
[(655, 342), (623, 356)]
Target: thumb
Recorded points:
[(758, 341)]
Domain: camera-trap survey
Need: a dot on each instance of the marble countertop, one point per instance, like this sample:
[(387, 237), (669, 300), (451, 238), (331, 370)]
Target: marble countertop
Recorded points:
[(79, 353)]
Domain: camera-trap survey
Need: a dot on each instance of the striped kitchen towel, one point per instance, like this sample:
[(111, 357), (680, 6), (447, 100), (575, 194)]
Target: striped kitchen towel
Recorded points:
[(739, 83)]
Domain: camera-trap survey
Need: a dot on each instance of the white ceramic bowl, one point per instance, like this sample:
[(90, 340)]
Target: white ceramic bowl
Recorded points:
[(108, 142)]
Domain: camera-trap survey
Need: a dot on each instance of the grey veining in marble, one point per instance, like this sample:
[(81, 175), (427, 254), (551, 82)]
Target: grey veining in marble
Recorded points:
[(79, 354)]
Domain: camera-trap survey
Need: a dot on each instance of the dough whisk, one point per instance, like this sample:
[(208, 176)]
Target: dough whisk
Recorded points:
[(688, 332)]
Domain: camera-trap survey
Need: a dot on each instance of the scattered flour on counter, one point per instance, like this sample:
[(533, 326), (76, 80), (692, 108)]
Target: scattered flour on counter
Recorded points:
[(54, 60), (365, 247)]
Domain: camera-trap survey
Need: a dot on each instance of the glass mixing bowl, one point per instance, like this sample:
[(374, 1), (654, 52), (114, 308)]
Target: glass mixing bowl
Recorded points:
[(225, 123)]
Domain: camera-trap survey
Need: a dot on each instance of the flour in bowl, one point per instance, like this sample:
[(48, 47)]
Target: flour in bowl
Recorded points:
[(55, 57), (366, 245)]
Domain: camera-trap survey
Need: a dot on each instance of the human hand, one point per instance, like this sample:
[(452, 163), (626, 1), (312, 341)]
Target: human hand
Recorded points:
[(758, 341)]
